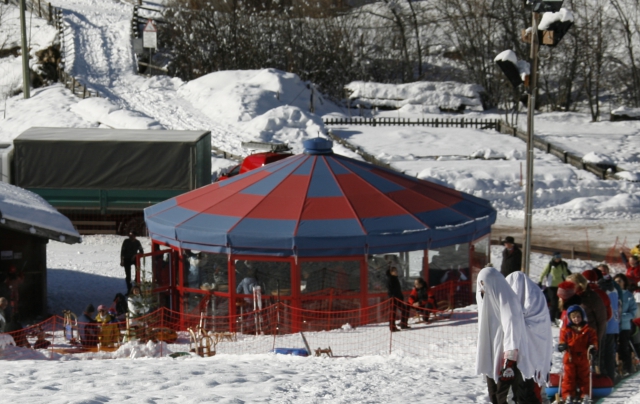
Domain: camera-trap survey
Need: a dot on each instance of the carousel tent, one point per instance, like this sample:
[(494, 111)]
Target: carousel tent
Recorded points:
[(319, 204)]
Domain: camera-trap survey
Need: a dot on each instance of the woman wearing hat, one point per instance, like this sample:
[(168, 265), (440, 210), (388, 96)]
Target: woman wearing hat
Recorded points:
[(554, 273)]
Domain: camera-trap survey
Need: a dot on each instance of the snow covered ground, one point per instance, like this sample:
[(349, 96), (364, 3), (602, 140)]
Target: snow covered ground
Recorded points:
[(88, 272), (270, 105)]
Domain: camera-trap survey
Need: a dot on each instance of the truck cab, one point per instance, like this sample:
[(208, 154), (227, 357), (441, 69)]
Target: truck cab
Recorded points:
[(257, 160)]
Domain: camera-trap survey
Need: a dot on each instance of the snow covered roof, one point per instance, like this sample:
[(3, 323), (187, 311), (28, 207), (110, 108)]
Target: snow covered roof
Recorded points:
[(24, 211), (445, 94), (107, 135)]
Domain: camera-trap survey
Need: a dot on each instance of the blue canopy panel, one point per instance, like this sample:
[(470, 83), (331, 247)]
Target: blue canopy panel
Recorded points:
[(320, 204)]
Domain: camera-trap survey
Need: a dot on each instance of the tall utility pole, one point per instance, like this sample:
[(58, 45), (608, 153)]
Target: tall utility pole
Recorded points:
[(26, 77), (533, 82)]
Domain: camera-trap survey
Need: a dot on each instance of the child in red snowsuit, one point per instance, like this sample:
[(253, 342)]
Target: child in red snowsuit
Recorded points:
[(576, 339), (421, 297)]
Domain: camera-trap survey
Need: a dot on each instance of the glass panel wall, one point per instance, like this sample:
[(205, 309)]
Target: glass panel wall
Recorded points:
[(205, 271), (409, 265), (448, 263), (274, 277), (324, 277)]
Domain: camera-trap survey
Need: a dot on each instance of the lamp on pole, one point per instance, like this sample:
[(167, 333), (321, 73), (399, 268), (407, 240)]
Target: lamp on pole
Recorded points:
[(555, 23)]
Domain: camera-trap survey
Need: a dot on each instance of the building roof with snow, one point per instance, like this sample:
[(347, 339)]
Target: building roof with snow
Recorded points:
[(26, 212)]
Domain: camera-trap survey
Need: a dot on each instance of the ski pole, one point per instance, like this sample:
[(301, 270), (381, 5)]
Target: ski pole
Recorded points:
[(559, 392), (590, 373)]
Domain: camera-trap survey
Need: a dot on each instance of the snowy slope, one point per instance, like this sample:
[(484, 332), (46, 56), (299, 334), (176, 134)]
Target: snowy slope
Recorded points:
[(74, 273)]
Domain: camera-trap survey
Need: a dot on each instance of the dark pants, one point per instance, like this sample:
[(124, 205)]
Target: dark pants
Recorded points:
[(404, 312), (552, 297), (624, 349), (523, 390), (127, 274), (608, 355)]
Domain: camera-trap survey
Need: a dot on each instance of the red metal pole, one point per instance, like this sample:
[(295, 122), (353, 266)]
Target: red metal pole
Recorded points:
[(295, 296), (231, 276), (364, 290)]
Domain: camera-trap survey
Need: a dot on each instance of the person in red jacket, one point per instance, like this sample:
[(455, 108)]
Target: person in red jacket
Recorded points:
[(576, 340), (421, 297), (633, 269)]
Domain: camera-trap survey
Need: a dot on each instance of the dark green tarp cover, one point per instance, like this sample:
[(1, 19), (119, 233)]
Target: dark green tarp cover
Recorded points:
[(93, 158)]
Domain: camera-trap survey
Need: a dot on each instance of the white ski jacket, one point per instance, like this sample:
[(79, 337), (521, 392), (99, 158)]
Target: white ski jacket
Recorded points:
[(536, 318), (501, 326)]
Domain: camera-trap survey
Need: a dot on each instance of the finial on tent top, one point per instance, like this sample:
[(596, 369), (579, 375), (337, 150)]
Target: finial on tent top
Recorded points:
[(318, 145)]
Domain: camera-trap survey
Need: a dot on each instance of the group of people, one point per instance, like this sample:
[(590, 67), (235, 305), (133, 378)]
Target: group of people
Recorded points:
[(103, 327), (595, 311), (420, 298)]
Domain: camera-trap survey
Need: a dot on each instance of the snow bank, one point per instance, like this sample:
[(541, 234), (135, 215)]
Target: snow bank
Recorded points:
[(103, 111), (248, 94), (14, 353), (630, 112), (6, 340), (267, 105), (597, 158), (26, 207), (135, 350), (628, 176), (47, 107), (446, 95)]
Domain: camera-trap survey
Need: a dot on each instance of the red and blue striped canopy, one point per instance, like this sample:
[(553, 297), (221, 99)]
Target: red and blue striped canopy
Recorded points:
[(319, 204)]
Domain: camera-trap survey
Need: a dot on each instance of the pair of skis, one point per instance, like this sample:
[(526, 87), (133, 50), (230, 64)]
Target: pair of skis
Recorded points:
[(591, 366)]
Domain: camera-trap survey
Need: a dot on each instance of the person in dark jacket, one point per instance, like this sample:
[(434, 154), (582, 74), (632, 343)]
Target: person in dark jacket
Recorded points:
[(609, 346), (511, 257), (130, 247), (633, 268), (394, 290), (120, 306), (420, 297), (592, 303), (88, 328)]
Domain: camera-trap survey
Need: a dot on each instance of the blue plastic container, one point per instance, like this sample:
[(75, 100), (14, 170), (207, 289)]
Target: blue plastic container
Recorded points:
[(291, 351)]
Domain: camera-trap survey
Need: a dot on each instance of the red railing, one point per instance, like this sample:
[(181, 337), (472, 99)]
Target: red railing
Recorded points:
[(356, 332)]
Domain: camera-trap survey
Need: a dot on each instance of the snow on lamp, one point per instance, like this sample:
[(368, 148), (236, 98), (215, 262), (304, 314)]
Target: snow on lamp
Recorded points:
[(517, 71)]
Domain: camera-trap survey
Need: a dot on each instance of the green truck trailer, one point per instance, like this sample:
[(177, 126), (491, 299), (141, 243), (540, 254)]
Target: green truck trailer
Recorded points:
[(102, 179)]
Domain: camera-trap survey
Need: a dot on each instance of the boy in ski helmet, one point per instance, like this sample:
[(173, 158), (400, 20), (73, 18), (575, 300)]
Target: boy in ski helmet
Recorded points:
[(576, 339)]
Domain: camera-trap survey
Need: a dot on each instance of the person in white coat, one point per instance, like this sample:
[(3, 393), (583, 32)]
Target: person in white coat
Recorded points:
[(539, 338), (502, 353)]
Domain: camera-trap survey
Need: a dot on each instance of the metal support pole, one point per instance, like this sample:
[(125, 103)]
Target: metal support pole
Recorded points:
[(533, 82), (26, 77)]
